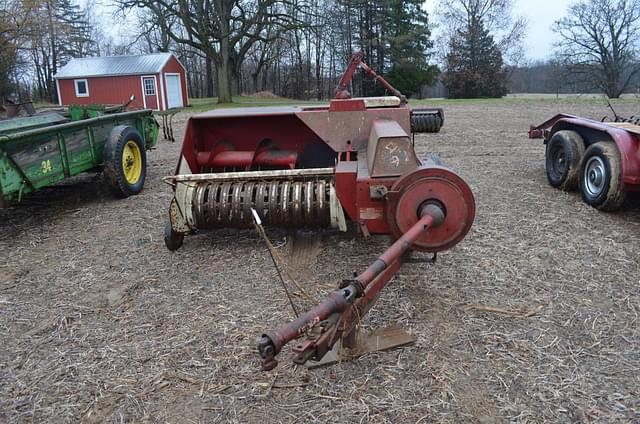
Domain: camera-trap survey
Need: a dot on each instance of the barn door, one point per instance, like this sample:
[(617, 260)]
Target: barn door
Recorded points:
[(174, 91)]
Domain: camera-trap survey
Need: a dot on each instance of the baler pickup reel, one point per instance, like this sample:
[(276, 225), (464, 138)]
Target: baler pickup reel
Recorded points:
[(351, 162)]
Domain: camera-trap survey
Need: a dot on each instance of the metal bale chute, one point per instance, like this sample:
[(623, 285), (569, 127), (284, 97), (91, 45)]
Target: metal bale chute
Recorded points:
[(351, 162)]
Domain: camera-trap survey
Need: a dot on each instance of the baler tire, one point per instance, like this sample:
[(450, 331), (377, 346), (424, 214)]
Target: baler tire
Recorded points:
[(438, 124), (426, 123), (416, 123), (563, 159), (172, 240), (434, 124), (601, 182), (125, 161)]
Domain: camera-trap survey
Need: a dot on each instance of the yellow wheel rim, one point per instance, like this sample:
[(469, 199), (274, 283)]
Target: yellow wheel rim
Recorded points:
[(131, 162)]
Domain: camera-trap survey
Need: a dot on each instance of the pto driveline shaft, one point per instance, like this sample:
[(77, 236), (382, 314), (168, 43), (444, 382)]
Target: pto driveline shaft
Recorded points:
[(270, 345), (431, 216)]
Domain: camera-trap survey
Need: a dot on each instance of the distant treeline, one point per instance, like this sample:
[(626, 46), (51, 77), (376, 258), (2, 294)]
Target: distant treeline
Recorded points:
[(553, 78)]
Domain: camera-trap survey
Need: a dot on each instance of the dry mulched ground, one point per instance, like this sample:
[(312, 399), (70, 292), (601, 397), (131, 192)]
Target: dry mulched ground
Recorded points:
[(99, 322)]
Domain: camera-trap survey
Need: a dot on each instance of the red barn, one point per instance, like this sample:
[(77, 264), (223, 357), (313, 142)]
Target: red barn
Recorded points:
[(158, 81)]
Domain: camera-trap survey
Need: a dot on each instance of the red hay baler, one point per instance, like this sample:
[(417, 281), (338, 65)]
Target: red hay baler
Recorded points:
[(314, 167)]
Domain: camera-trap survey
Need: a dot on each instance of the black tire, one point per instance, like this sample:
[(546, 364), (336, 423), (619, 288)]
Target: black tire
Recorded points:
[(564, 155), (426, 123), (172, 240), (601, 177), (437, 123), (124, 144), (416, 124)]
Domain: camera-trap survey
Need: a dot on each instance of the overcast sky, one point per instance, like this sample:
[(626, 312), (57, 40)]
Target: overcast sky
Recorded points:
[(540, 14)]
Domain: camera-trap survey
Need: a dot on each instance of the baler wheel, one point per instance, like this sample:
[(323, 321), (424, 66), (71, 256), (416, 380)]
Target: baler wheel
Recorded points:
[(426, 123), (601, 182), (125, 161), (172, 240), (563, 158)]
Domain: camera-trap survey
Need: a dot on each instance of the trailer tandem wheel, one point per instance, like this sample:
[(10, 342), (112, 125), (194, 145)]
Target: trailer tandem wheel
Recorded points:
[(601, 180), (563, 157)]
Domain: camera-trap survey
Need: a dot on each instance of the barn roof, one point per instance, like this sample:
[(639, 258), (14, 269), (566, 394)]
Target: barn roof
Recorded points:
[(113, 65)]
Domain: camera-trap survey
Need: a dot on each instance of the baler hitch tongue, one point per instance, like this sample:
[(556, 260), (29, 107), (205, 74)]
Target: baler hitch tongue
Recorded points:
[(339, 313)]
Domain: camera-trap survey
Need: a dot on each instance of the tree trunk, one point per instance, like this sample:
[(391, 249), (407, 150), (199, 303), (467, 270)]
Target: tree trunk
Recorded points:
[(54, 56), (318, 73), (224, 76), (254, 81), (209, 77)]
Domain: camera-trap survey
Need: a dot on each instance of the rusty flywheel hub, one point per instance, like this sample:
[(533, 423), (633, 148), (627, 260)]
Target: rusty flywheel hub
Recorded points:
[(435, 184)]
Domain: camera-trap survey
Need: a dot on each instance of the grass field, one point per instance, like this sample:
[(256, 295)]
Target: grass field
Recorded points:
[(204, 104), (198, 105)]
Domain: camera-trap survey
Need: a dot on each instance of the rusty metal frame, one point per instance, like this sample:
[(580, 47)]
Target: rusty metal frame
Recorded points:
[(341, 311)]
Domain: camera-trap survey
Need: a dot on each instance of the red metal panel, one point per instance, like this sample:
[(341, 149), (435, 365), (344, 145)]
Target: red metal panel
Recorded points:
[(249, 112), (106, 90), (174, 67), (346, 173), (390, 152), (206, 132), (350, 130), (349, 105), (371, 211)]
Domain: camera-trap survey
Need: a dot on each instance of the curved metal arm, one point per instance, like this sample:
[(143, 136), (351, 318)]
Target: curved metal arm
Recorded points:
[(354, 63)]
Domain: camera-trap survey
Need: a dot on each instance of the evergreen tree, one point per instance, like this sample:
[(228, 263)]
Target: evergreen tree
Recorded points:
[(59, 31), (475, 65), (409, 46), (395, 36), (75, 32), (407, 26), (409, 77)]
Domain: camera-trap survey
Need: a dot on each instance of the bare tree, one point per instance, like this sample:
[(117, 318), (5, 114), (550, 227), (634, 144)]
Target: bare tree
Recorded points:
[(224, 30), (600, 39), (11, 23), (496, 16)]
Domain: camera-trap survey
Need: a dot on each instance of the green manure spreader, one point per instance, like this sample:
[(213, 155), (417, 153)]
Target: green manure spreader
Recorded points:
[(40, 150)]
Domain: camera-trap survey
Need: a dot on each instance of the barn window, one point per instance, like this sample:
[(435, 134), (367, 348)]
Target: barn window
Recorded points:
[(149, 86), (82, 87)]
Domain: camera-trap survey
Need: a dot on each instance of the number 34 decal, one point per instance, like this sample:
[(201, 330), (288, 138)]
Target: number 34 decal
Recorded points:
[(46, 166)]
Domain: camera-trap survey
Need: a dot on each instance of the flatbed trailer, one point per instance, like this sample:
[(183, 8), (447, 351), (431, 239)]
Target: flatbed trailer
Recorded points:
[(600, 159), (38, 151)]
